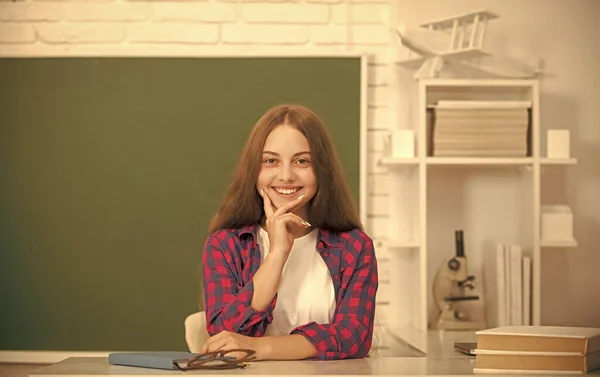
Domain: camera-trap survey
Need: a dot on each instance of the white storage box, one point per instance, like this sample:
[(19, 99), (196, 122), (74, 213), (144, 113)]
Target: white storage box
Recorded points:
[(403, 143), (556, 223), (558, 145)]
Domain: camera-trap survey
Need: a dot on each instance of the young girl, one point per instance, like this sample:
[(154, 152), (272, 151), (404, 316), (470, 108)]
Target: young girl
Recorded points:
[(287, 270)]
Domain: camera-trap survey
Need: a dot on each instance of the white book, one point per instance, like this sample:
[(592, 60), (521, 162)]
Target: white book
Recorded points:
[(537, 360), (493, 279), (501, 282), (516, 286), (526, 291), (478, 351), (507, 290), (573, 332), (520, 371)]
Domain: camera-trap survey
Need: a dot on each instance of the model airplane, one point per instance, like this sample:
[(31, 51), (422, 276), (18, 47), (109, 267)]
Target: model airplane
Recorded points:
[(457, 41)]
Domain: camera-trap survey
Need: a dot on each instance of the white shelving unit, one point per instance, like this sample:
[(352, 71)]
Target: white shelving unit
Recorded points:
[(494, 200)]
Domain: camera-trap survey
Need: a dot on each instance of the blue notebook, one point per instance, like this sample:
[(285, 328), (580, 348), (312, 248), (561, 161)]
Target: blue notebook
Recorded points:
[(157, 360)]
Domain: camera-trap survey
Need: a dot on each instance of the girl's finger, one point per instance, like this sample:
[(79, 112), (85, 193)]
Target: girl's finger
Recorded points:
[(292, 218), (216, 345), (289, 206), (212, 340), (266, 203)]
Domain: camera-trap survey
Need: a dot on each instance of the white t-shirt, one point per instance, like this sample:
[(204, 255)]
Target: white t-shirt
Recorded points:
[(305, 291)]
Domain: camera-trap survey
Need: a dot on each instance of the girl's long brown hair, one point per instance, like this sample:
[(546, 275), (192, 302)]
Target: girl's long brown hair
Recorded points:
[(332, 208)]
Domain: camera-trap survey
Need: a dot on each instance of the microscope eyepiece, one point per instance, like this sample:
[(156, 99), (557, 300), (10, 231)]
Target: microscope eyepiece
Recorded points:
[(460, 247)]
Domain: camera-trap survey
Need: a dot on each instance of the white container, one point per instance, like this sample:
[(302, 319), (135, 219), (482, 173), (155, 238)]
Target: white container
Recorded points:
[(556, 223), (558, 144), (403, 143)]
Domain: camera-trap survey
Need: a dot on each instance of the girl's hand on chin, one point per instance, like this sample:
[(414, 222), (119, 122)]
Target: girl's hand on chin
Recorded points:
[(279, 224)]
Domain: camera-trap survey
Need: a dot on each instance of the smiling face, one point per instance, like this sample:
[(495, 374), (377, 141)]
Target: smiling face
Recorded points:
[(286, 170)]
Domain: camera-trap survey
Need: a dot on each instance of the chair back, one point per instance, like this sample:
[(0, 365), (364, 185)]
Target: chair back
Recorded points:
[(195, 331)]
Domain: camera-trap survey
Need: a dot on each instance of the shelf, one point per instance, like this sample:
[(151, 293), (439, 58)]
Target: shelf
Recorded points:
[(399, 161), (487, 105), (453, 84), (491, 161), (558, 243), (479, 160), (483, 188), (558, 161)]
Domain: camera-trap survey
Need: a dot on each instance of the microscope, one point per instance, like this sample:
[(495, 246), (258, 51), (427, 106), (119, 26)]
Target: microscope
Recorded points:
[(449, 286)]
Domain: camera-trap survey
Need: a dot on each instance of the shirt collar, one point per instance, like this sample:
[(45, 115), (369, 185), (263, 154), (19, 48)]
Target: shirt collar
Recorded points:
[(329, 238), (247, 229)]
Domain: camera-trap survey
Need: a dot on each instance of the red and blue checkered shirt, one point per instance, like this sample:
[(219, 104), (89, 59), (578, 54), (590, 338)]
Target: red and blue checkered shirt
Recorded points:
[(232, 257)]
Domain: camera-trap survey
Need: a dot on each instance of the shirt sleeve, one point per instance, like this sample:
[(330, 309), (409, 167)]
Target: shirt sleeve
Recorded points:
[(351, 331), (226, 300)]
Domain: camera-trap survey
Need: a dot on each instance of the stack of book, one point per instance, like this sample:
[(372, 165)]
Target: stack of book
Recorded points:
[(537, 349), (481, 129)]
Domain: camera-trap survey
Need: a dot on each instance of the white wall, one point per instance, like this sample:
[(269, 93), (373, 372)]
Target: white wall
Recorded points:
[(565, 33)]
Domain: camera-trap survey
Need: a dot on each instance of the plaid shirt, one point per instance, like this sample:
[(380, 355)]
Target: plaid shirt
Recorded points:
[(232, 257)]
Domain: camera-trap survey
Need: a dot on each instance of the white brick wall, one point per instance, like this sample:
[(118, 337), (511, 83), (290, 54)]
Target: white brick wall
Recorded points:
[(204, 27), (267, 34), (194, 12), (180, 33), (16, 33), (284, 13), (97, 32), (25, 11), (130, 11)]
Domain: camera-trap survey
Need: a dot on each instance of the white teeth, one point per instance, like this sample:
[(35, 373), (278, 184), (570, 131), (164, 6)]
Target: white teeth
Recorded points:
[(286, 191)]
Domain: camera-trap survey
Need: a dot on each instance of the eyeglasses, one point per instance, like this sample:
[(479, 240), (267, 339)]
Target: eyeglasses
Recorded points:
[(230, 359)]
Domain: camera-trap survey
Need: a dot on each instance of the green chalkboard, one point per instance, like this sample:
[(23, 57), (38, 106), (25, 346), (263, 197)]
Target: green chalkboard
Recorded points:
[(110, 170)]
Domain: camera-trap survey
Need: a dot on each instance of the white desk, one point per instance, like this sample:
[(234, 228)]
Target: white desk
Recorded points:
[(437, 344), (379, 366), (440, 360), (388, 366)]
